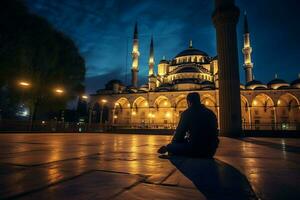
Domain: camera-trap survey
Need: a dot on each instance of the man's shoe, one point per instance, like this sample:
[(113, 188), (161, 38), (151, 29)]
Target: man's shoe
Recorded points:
[(162, 150)]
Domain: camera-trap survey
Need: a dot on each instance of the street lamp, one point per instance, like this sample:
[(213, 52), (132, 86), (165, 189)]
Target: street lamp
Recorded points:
[(59, 91), (103, 101), (84, 97), (24, 84)]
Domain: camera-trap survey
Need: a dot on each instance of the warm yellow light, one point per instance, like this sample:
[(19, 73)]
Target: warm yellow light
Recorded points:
[(206, 103), (115, 116), (59, 91), (24, 84), (84, 97), (168, 114), (104, 101), (151, 115), (278, 102), (146, 104), (128, 105), (133, 113), (116, 104), (165, 103), (255, 102)]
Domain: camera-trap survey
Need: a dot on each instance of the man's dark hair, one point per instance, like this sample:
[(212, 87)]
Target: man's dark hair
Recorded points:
[(193, 98)]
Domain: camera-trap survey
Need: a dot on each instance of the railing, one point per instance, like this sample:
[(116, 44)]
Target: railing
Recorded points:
[(59, 126)]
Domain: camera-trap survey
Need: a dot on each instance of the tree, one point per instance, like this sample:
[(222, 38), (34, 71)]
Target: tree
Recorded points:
[(32, 50)]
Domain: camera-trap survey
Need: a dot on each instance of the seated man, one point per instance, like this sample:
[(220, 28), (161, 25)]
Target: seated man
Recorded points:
[(196, 134)]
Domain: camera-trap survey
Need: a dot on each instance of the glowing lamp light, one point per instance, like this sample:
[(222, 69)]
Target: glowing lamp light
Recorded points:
[(24, 84), (115, 117), (206, 103), (104, 101), (133, 113), (165, 103), (84, 97), (151, 115), (255, 102), (128, 105), (59, 91), (168, 115), (116, 104), (146, 104), (278, 102)]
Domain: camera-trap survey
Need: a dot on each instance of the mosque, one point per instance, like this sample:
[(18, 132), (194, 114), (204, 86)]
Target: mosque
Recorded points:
[(159, 103)]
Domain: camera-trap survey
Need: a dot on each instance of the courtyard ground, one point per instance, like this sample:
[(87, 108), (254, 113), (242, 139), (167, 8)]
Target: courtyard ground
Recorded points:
[(124, 166)]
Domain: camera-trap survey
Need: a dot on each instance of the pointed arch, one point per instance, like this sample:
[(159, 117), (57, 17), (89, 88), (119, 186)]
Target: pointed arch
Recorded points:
[(263, 115), (162, 101), (287, 111)]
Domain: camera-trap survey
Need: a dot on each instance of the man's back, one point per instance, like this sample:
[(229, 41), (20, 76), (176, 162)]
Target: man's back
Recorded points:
[(202, 125)]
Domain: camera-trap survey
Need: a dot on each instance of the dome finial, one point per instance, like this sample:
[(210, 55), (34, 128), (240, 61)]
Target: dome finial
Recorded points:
[(276, 76), (191, 43), (164, 57)]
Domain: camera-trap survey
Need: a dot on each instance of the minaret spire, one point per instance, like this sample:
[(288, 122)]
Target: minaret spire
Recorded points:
[(135, 57), (151, 58), (247, 50), (135, 34)]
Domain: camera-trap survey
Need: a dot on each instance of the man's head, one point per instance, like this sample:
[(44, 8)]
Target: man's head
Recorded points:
[(193, 98)]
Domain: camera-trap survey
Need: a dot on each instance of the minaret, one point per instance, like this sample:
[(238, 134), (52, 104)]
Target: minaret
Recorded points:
[(152, 78), (225, 18), (247, 50), (151, 58), (135, 58)]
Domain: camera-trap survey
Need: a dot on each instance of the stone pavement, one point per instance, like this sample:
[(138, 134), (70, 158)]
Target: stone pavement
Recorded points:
[(116, 166)]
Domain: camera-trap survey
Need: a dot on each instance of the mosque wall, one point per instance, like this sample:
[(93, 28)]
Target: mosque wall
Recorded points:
[(261, 109)]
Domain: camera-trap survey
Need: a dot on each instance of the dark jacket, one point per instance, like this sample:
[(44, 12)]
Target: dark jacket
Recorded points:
[(200, 124)]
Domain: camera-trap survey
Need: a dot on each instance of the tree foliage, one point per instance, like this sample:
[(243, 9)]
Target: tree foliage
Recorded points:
[(32, 50)]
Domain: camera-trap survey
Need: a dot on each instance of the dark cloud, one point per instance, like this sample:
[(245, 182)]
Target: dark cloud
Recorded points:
[(103, 31)]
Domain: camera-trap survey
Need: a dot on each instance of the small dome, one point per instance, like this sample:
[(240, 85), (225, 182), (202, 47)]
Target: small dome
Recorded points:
[(255, 84), (296, 83), (277, 83), (163, 61), (242, 86)]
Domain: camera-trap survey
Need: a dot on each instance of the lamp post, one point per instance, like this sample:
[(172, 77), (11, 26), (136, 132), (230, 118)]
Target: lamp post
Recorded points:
[(25, 85), (103, 101)]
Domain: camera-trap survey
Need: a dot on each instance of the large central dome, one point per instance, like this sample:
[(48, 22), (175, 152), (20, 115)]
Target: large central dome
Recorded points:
[(191, 51)]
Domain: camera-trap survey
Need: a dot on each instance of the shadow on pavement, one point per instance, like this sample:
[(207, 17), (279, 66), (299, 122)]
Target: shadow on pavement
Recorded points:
[(215, 179)]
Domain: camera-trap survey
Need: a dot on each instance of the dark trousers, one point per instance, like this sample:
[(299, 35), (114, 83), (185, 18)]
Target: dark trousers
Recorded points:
[(187, 149)]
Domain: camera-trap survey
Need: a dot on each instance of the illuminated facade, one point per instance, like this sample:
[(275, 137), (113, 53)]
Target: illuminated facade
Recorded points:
[(158, 103)]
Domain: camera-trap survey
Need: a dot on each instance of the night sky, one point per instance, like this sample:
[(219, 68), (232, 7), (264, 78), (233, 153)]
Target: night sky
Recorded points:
[(103, 32)]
